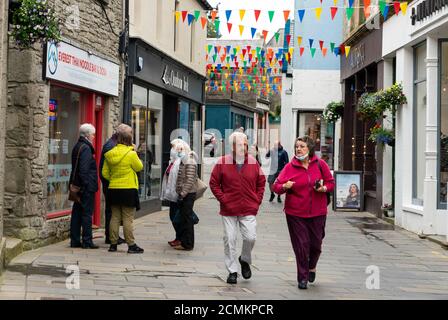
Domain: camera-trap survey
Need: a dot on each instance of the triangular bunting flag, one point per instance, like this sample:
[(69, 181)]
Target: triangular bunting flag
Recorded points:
[(385, 11), (288, 39), (241, 30), (335, 2), (299, 41), (349, 12), (318, 12), (177, 13), (301, 14), (257, 14), (404, 7), (321, 44), (217, 23), (302, 49), (350, 3), (324, 52), (277, 35), (332, 46), (210, 47), (253, 31), (271, 15), (203, 22), (190, 19), (265, 34), (311, 42), (313, 51), (242, 13), (347, 51), (228, 14), (396, 7), (286, 14), (184, 15), (196, 15), (334, 10)]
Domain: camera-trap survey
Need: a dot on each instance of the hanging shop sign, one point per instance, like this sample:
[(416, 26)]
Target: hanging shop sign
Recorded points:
[(72, 65)]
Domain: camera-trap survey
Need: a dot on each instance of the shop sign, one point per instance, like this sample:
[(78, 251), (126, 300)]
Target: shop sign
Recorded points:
[(72, 65), (173, 79), (357, 56), (427, 8)]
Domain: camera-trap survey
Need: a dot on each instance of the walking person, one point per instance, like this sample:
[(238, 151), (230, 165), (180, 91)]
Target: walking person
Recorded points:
[(84, 174), (111, 143), (305, 180), (120, 169), (279, 159), (168, 191), (186, 188), (238, 183)]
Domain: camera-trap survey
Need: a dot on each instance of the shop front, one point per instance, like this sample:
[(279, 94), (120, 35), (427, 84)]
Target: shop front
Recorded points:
[(419, 61), (81, 85), (362, 72), (165, 100)]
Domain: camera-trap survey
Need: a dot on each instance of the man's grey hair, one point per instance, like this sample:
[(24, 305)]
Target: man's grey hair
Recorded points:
[(123, 128), (86, 130), (237, 136)]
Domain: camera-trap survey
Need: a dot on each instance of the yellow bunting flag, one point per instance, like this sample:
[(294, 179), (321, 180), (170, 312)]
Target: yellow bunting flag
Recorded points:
[(347, 50), (291, 51), (238, 49), (242, 13), (318, 12), (241, 30), (404, 7), (299, 41), (335, 2), (177, 13)]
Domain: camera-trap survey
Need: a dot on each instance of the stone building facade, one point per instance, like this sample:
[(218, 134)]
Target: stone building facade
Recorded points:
[(31, 114)]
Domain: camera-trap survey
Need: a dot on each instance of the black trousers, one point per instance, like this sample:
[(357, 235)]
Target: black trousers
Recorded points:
[(173, 210), (107, 212), (186, 226), (82, 219)]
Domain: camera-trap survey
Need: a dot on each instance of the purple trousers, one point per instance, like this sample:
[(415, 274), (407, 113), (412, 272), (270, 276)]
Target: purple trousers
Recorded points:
[(306, 238)]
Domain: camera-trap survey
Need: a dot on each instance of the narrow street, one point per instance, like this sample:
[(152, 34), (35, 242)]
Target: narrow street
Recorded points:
[(410, 268)]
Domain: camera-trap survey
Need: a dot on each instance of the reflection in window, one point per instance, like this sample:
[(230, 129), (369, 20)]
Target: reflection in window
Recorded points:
[(64, 119)]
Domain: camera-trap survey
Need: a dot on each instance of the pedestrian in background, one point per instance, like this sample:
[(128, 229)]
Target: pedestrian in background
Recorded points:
[(111, 143), (279, 159), (186, 188), (84, 174), (238, 183), (120, 169), (305, 180), (254, 152)]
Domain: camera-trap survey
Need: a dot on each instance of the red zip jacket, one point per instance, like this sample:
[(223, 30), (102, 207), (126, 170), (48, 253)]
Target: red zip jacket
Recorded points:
[(302, 200), (239, 193)]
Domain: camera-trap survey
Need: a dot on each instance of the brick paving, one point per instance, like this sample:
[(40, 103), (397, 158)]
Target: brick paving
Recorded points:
[(410, 268)]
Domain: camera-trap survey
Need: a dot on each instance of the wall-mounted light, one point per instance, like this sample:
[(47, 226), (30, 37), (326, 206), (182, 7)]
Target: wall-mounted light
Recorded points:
[(140, 64)]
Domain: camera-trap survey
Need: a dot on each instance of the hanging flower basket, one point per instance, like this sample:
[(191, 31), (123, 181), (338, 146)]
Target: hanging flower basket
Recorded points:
[(382, 136), (391, 97), (333, 111), (368, 107), (34, 21)]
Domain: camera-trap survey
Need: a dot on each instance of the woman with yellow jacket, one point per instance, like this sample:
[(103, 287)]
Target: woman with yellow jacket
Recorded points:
[(120, 168)]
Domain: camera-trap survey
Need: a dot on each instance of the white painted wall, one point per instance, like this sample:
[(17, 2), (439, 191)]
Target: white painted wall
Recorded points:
[(154, 22)]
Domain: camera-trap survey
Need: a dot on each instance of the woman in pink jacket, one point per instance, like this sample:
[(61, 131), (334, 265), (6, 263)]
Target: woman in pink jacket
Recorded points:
[(305, 180)]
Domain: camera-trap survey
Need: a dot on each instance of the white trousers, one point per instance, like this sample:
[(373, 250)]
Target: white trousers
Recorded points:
[(247, 226)]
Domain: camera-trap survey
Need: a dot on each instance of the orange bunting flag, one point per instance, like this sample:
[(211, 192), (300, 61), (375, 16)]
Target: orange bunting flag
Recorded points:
[(242, 13), (214, 13), (241, 30), (265, 34), (367, 8), (302, 49), (324, 52), (203, 22), (286, 14), (299, 41)]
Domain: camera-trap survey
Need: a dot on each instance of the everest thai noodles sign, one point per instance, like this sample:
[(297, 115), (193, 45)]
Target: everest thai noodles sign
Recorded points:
[(72, 65)]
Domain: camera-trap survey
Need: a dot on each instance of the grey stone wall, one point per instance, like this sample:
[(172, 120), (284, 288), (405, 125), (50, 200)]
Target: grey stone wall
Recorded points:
[(27, 119), (3, 97)]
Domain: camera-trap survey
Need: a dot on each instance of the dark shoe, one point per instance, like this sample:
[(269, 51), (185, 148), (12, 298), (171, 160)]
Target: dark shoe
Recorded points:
[(272, 197), (303, 285), (89, 246), (121, 241), (232, 278), (174, 243), (135, 249), (311, 276), (113, 248), (75, 245), (181, 247), (107, 241), (279, 200), (245, 269)]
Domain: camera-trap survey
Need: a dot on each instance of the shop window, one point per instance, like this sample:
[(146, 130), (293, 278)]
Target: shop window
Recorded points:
[(313, 125), (443, 128), (146, 125), (419, 124), (64, 118)]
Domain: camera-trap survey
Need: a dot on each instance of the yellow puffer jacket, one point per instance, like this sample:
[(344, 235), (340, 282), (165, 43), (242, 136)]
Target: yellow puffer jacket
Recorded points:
[(120, 167)]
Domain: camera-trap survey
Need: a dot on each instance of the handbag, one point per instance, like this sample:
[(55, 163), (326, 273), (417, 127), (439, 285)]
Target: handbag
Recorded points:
[(327, 193), (74, 190), (200, 187), (177, 217)]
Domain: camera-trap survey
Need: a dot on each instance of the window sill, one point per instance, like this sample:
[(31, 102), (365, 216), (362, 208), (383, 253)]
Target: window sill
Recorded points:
[(414, 209), (55, 215)]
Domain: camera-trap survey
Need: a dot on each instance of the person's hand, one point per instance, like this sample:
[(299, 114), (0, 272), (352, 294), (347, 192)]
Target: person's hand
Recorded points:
[(134, 146), (322, 189), (288, 185)]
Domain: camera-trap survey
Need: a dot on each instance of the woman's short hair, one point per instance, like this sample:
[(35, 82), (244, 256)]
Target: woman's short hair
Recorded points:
[(124, 137), (86, 129), (309, 143)]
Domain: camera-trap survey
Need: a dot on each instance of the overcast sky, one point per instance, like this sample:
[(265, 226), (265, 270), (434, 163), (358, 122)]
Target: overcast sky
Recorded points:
[(249, 18)]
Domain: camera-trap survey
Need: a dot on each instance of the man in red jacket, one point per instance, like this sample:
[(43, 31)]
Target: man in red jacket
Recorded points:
[(238, 183)]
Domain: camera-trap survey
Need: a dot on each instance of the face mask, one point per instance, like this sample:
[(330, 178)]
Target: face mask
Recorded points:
[(301, 158), (180, 154)]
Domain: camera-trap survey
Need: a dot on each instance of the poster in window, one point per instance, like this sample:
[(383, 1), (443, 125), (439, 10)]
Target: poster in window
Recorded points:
[(348, 191)]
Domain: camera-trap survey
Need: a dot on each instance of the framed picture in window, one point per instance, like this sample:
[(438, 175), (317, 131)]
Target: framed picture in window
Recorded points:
[(349, 190)]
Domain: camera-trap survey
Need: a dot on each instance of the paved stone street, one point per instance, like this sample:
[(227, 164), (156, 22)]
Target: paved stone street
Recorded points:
[(410, 268)]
